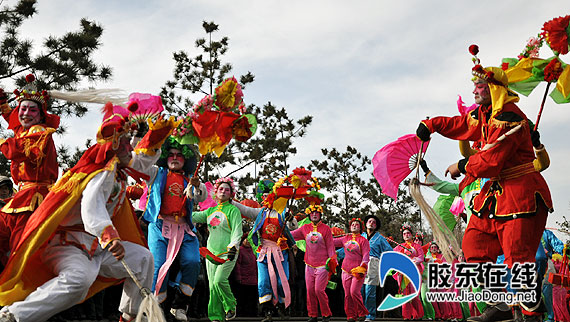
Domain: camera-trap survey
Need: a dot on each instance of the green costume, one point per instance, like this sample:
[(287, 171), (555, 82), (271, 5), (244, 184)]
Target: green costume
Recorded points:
[(224, 225)]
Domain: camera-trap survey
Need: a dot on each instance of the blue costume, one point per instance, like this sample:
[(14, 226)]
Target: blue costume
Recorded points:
[(378, 245), (163, 227)]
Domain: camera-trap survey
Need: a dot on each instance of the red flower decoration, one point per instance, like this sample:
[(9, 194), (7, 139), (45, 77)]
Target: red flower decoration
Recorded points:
[(505, 66), (557, 34), (474, 50), (552, 71), (303, 174), (241, 129), (478, 68), (133, 107), (30, 78)]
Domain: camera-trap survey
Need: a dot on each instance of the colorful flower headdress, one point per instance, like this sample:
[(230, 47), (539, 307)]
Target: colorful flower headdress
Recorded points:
[(227, 180), (406, 226), (359, 220), (31, 93), (314, 208)]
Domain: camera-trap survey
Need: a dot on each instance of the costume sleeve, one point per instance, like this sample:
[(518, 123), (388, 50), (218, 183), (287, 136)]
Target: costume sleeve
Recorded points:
[(298, 234), (443, 187), (365, 246), (94, 213), (462, 127), (145, 163), (329, 243), (246, 211), (158, 132), (384, 245), (338, 242), (419, 256), (201, 216), (237, 232), (32, 147), (489, 163)]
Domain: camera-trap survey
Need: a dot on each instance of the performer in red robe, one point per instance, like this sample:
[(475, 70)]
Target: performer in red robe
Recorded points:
[(512, 207), (33, 159)]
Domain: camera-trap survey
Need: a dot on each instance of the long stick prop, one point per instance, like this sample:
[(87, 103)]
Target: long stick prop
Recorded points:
[(149, 305), (199, 164), (541, 106)]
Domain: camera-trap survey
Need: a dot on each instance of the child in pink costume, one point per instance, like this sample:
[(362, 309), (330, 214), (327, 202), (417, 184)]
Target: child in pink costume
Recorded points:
[(354, 267), (412, 309), (320, 260)]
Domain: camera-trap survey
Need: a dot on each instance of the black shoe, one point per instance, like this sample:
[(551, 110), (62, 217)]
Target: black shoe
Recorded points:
[(492, 313), (312, 319), (268, 317), (231, 315), (326, 318)]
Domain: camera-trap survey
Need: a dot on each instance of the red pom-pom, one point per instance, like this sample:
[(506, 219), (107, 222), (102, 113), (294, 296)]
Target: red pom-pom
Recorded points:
[(505, 66), (474, 50), (133, 107), (478, 68), (30, 78)]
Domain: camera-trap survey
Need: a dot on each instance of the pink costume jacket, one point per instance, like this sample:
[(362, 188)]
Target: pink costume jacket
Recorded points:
[(356, 251), (320, 244)]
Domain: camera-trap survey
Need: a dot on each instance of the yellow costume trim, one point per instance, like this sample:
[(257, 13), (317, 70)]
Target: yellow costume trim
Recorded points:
[(472, 122), (159, 124), (36, 200), (504, 124)]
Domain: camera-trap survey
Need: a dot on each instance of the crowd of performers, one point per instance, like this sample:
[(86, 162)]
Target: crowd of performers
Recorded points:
[(63, 241)]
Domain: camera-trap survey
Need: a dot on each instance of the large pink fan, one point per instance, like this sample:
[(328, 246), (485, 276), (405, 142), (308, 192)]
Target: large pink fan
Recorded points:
[(395, 161), (149, 106)]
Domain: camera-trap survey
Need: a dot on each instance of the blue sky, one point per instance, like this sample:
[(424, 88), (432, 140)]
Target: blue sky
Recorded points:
[(368, 71)]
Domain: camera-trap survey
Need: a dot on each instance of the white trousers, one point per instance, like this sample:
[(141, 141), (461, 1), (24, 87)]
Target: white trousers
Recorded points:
[(75, 275)]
